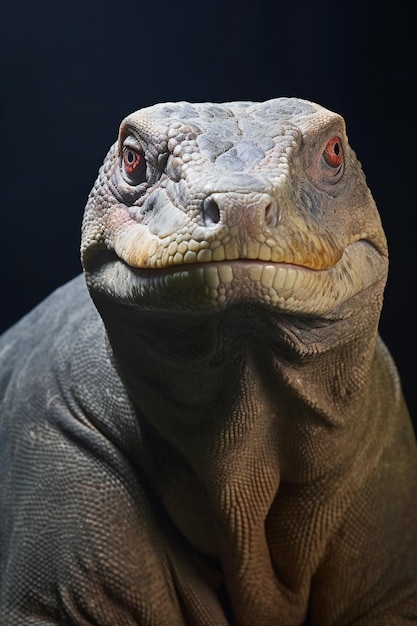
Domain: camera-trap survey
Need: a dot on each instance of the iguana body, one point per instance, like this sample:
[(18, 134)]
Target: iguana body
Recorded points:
[(221, 437)]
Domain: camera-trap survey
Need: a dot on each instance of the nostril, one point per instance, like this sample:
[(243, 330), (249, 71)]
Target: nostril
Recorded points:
[(211, 212), (271, 214)]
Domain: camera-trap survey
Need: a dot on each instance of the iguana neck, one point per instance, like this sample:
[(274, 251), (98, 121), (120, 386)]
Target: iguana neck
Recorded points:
[(210, 383)]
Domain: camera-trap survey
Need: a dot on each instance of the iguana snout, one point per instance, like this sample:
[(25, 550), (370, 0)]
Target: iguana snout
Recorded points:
[(254, 211)]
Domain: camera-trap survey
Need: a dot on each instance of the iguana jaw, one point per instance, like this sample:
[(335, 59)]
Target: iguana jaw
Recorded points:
[(211, 285)]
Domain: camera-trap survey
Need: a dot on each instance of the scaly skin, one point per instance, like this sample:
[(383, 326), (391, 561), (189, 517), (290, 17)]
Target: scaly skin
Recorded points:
[(225, 441)]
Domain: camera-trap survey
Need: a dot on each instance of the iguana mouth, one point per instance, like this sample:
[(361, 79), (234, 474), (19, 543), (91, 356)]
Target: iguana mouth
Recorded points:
[(208, 286), (217, 277), (139, 248)]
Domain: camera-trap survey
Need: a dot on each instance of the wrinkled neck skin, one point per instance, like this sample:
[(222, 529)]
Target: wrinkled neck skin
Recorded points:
[(247, 384), (235, 402)]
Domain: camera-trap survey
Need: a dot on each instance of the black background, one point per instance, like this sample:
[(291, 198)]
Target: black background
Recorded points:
[(71, 70)]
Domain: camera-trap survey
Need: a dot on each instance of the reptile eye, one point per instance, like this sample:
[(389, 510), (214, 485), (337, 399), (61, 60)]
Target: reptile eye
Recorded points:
[(132, 160), (333, 153)]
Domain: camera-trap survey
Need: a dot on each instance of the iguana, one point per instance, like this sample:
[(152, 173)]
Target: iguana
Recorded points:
[(206, 429)]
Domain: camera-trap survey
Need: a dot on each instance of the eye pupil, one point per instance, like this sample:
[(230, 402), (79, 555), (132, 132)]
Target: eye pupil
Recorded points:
[(332, 153), (131, 159)]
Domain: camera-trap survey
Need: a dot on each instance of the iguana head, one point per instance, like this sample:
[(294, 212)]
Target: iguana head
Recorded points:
[(199, 206)]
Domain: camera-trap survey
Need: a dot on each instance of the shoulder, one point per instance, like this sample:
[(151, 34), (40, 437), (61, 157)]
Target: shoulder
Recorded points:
[(39, 352), (58, 309), (54, 319), (57, 377)]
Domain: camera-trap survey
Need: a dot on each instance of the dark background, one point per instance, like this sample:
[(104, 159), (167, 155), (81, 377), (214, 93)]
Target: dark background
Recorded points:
[(71, 70)]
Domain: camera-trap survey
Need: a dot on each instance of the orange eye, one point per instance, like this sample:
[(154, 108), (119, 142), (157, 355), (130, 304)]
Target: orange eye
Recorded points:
[(333, 153), (132, 159)]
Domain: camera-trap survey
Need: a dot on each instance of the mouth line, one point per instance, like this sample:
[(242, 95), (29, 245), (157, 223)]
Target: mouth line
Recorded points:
[(219, 278), (318, 265), (181, 267)]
